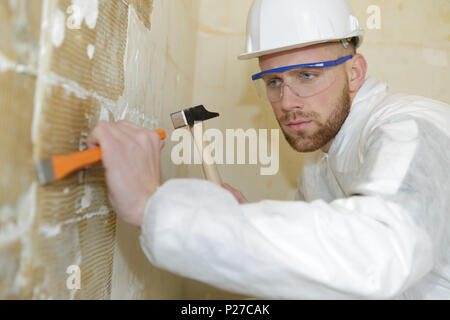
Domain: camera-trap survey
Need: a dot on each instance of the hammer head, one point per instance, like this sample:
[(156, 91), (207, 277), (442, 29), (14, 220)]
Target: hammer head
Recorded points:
[(189, 117)]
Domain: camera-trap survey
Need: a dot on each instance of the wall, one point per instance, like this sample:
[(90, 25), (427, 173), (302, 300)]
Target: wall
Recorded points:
[(64, 65), (411, 49), (18, 63), (164, 73)]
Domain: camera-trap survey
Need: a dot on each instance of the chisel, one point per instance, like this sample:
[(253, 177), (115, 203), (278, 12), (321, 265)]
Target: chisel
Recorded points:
[(58, 167)]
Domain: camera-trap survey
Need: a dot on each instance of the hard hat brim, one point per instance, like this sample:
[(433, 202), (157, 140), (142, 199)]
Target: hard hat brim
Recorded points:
[(257, 54)]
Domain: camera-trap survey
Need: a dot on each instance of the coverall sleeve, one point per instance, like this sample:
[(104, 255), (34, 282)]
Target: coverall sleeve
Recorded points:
[(370, 246)]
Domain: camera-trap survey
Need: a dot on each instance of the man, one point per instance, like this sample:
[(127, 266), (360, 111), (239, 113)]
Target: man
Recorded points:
[(373, 220)]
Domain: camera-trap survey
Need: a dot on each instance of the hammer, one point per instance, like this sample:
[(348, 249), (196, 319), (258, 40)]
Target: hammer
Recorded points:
[(194, 118)]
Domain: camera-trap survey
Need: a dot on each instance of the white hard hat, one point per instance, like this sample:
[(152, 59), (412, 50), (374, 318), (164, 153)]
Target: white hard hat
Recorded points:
[(279, 25)]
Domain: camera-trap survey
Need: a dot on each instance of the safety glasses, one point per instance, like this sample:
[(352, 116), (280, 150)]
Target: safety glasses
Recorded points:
[(304, 80)]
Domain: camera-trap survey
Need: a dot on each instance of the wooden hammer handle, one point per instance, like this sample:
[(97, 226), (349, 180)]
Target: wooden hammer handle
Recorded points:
[(209, 166)]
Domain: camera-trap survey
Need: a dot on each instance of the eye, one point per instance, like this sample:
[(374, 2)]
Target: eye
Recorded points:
[(273, 83), (306, 75)]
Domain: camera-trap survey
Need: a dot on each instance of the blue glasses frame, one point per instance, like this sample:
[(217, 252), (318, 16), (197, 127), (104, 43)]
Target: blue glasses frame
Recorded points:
[(317, 65)]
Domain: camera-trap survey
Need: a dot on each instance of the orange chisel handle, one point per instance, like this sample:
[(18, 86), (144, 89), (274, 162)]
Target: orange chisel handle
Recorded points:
[(65, 164)]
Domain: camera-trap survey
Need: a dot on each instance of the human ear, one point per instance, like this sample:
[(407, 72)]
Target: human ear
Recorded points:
[(357, 72)]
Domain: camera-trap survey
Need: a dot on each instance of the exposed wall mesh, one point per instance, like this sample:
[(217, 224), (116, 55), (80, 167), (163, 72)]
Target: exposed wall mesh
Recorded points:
[(19, 43), (46, 229)]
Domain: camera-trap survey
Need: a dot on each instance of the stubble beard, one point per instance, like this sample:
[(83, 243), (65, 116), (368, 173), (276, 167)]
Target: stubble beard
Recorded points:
[(302, 141)]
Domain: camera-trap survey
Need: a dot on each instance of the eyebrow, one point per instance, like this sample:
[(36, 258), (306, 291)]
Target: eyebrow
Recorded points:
[(275, 74), (318, 65)]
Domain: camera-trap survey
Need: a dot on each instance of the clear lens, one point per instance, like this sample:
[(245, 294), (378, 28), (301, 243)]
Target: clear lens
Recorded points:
[(302, 82)]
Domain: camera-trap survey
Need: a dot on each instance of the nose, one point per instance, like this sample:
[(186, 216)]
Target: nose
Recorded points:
[(289, 100)]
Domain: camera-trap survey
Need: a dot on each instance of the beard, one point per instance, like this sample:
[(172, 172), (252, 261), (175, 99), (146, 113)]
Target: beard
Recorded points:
[(302, 141)]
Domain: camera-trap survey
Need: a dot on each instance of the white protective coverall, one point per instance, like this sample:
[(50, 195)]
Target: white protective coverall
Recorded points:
[(374, 222)]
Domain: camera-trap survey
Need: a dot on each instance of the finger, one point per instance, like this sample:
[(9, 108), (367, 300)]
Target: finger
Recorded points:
[(98, 135), (226, 186), (129, 124), (134, 132), (107, 136), (231, 189), (141, 135), (134, 126), (155, 139), (235, 193), (127, 133)]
